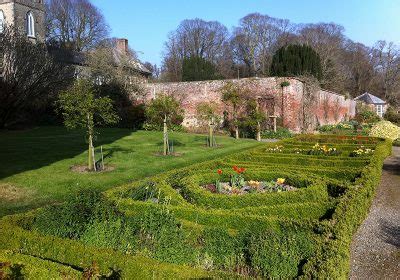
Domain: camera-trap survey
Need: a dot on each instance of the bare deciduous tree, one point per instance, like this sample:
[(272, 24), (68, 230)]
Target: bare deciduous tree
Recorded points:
[(31, 76), (255, 40), (196, 37), (387, 66), (75, 24)]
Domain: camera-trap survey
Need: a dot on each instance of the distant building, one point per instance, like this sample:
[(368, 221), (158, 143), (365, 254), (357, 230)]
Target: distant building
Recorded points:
[(377, 104), (28, 16)]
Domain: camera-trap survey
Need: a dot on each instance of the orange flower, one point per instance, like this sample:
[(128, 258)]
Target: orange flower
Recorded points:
[(235, 168), (219, 171)]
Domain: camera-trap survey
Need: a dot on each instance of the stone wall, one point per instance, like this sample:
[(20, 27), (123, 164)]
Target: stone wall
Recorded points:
[(287, 104), (15, 12)]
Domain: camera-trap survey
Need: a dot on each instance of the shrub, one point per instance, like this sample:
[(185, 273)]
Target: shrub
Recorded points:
[(385, 129), (281, 133), (276, 255), (392, 116), (161, 234), (70, 219), (366, 115), (115, 234), (221, 247)]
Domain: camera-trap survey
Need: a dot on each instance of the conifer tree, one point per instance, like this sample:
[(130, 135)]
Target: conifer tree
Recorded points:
[(296, 60)]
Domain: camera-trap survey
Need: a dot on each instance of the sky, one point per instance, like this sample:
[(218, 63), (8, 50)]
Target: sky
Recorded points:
[(146, 24)]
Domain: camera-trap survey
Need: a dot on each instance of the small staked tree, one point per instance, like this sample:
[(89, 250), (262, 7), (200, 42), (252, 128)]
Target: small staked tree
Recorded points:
[(165, 110), (254, 117), (208, 112), (232, 96), (81, 108)]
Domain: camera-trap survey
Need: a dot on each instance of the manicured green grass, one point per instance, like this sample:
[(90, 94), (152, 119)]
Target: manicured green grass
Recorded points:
[(35, 164)]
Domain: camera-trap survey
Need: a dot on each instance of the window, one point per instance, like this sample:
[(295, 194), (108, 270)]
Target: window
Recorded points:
[(379, 110), (2, 21), (30, 25)]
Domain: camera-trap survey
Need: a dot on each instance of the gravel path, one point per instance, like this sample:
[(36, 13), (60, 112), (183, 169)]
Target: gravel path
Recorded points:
[(375, 251)]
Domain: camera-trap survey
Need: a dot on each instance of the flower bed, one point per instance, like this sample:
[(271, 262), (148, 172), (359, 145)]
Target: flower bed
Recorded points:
[(250, 187), (318, 149), (361, 151)]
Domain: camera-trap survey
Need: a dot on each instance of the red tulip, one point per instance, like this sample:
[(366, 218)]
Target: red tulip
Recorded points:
[(219, 171)]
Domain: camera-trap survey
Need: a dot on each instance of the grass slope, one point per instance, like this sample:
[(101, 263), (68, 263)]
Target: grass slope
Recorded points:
[(35, 164)]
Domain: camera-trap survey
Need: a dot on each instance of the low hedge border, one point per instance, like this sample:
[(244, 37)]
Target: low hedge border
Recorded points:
[(332, 260), (74, 253)]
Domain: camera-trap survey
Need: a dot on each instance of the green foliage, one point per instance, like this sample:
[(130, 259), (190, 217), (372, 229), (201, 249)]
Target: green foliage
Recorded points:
[(82, 109), (274, 255), (208, 112), (114, 233), (365, 115), (223, 248), (163, 105), (285, 84), (392, 116), (162, 235), (232, 94), (71, 218), (281, 133), (254, 116), (296, 60), (196, 68)]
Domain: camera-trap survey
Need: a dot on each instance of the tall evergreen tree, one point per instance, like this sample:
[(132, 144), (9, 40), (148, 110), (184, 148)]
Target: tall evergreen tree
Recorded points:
[(196, 68), (295, 60)]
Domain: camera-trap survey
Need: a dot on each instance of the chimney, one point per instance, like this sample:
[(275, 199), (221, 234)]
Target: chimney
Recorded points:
[(122, 45)]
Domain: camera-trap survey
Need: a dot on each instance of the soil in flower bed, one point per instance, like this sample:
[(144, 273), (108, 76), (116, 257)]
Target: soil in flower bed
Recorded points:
[(249, 187), (84, 169)]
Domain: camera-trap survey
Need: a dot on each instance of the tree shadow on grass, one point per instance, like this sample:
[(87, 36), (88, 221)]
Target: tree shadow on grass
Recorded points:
[(174, 142), (36, 148)]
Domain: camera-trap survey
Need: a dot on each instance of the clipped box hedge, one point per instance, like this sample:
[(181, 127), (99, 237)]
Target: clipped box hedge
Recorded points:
[(303, 233)]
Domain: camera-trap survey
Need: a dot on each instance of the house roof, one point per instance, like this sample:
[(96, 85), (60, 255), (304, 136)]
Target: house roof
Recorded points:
[(369, 99), (79, 58)]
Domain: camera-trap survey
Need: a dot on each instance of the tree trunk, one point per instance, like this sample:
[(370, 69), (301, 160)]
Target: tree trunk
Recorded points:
[(91, 163), (236, 132), (166, 142), (211, 133), (258, 132), (91, 160)]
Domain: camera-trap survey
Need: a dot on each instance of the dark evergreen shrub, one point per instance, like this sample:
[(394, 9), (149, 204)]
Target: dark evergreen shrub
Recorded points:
[(295, 60), (196, 68)]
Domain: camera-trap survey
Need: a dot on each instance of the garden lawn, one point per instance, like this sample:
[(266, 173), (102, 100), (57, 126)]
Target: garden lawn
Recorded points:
[(35, 164)]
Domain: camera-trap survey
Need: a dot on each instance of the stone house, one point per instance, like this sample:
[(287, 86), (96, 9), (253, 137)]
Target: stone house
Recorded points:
[(289, 103), (28, 16), (375, 103)]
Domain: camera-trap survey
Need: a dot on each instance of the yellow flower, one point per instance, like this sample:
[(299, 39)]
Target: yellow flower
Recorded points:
[(280, 181), (254, 184)]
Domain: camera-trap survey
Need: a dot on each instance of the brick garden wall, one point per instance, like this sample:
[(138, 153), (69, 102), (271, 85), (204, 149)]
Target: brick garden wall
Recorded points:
[(328, 107)]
